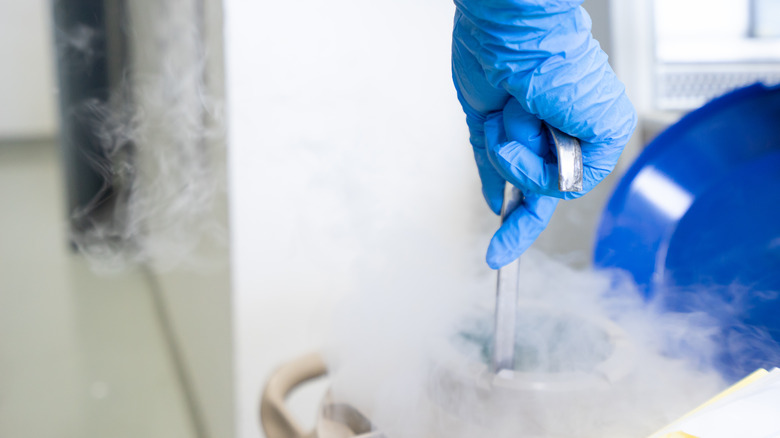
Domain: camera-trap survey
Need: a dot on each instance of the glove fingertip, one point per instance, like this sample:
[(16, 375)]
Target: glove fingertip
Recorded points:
[(498, 253), (496, 260), (493, 201), (492, 264), (492, 188)]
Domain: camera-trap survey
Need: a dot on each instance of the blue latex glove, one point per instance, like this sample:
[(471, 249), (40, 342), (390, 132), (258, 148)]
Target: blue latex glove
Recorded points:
[(510, 135), (538, 59)]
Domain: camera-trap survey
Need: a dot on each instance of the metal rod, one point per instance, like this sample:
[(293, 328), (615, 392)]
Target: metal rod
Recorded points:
[(508, 282), (508, 279)]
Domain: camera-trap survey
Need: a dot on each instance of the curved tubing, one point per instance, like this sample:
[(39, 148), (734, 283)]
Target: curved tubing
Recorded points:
[(277, 421)]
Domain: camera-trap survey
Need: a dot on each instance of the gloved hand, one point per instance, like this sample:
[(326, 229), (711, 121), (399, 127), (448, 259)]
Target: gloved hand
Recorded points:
[(515, 63)]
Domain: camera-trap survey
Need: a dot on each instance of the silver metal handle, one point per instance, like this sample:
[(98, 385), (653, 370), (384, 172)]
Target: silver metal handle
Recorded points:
[(508, 278), (569, 154)]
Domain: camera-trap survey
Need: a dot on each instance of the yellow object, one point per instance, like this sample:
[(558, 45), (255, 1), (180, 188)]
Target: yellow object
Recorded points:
[(749, 380), (678, 435)]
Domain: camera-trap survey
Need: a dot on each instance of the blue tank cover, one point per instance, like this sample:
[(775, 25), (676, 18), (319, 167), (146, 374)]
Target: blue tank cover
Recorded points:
[(696, 222)]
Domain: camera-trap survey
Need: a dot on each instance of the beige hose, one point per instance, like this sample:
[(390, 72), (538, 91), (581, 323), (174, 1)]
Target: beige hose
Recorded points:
[(277, 421)]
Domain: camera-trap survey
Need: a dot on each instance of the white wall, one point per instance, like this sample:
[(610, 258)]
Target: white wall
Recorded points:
[(27, 91), (342, 120)]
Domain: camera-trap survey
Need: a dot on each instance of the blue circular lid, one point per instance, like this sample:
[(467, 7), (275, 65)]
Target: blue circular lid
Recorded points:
[(697, 217)]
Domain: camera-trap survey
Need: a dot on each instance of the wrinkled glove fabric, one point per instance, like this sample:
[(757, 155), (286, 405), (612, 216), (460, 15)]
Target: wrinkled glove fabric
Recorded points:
[(516, 63)]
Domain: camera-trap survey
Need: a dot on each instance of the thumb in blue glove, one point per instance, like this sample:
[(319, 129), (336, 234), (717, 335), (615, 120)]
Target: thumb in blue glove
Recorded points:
[(527, 222)]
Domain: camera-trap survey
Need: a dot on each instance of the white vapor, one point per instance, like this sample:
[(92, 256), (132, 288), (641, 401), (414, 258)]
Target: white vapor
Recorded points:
[(407, 351), (162, 133)]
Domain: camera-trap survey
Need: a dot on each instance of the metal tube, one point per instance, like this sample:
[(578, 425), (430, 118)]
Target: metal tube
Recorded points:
[(508, 282), (508, 278)]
